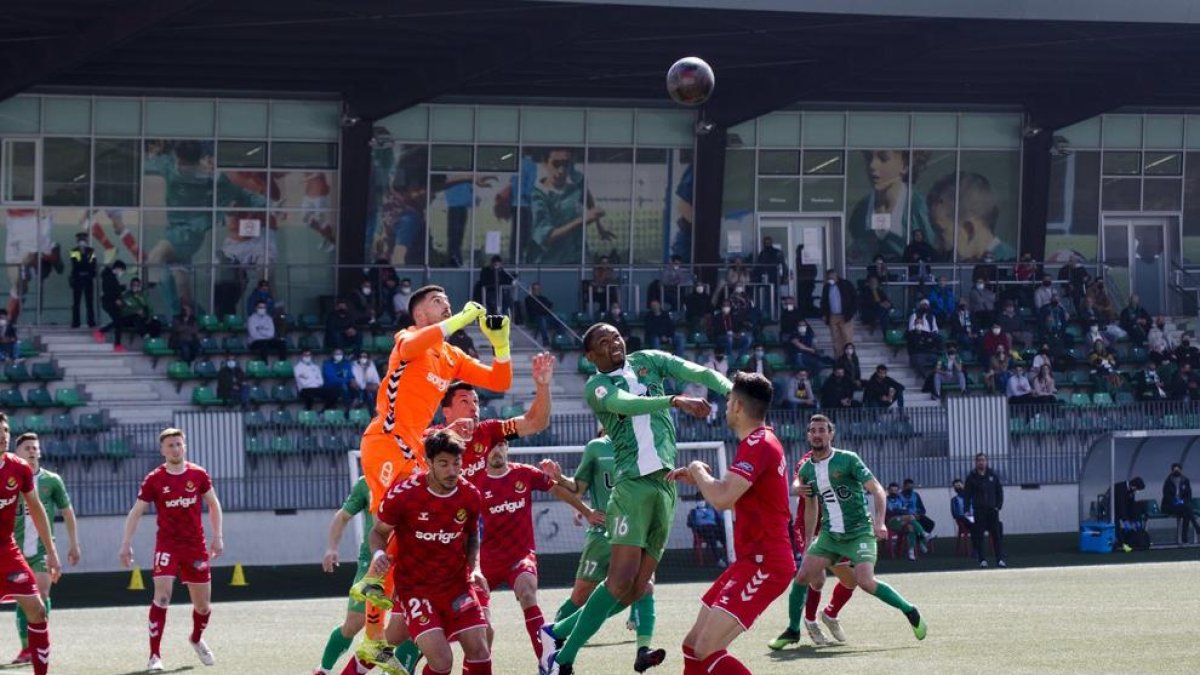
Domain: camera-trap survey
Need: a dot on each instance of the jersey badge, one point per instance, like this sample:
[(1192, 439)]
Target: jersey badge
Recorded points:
[(642, 372), (601, 392), (12, 483), (519, 486), (190, 487), (461, 516)]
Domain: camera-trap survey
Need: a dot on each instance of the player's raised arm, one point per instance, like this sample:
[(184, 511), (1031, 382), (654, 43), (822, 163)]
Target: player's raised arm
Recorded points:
[(682, 369), (413, 343), (498, 376), (337, 525), (33, 506), (537, 418), (131, 523), (216, 518)]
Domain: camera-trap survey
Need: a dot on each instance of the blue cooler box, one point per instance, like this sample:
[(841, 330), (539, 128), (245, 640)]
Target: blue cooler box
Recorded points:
[(1096, 537)]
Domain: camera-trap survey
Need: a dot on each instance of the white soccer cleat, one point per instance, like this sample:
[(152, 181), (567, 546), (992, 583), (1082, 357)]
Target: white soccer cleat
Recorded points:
[(155, 665), (815, 633), (546, 664), (202, 651), (834, 626)]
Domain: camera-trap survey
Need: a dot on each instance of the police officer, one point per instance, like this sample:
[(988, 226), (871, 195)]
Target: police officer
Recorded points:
[(83, 279)]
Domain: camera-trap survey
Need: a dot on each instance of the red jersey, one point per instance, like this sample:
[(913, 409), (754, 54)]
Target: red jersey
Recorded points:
[(762, 515), (16, 478), (508, 512), (431, 533), (488, 434), (799, 527), (177, 497)]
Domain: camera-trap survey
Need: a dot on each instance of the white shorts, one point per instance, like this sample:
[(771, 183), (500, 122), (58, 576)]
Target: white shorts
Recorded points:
[(26, 235)]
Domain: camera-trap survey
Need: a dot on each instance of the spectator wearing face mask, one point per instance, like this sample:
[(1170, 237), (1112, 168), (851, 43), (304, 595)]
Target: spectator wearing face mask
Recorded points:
[(1013, 326), (876, 307), (730, 333), (338, 377), (366, 380), (340, 331), (981, 302), (310, 384), (923, 336), (942, 300), (1041, 297), (758, 363), (1177, 501), (231, 383), (717, 361), (839, 304), (674, 277), (1186, 353), (660, 330), (136, 313), (363, 301), (260, 328), (1159, 342), (185, 334), (798, 339), (960, 510), (994, 340), (615, 316), (848, 362), (8, 339), (800, 394), (697, 306), (111, 291), (400, 302), (949, 368), (1052, 322), (962, 327), (262, 293)]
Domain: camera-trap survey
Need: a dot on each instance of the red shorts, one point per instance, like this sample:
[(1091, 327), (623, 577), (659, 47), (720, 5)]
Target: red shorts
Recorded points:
[(484, 596), (189, 564), (16, 579), (746, 589), (507, 573), (451, 613)]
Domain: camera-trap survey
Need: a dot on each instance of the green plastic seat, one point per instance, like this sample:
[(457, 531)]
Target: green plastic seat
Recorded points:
[(234, 323), (283, 370), (309, 418), (334, 418), (284, 393), (12, 398), (210, 345), (1018, 425), (63, 424), (1079, 399), (1124, 398), (205, 370), (360, 417), (39, 398), (179, 370), (69, 397), (26, 349), (205, 396), (281, 445), (331, 443), (281, 418), (510, 411), (895, 338), (254, 420), (1102, 398), (310, 322), (257, 370), (234, 345), (209, 323), (37, 424), (17, 372), (87, 448), (259, 395), (157, 347), (92, 423), (562, 343), (488, 412), (383, 344), (255, 446), (117, 448)]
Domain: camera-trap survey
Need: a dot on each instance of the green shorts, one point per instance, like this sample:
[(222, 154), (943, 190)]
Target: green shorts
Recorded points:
[(37, 563), (641, 512), (857, 549), (593, 562), (359, 573)]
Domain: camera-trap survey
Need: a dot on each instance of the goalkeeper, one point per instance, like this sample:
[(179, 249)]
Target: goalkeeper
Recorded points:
[(420, 369)]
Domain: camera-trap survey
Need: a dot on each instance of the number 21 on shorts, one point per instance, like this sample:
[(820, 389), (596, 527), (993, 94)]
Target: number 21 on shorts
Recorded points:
[(414, 607)]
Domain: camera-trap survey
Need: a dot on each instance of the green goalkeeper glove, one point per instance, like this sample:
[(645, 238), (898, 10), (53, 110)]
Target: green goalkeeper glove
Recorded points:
[(470, 312), (495, 329)]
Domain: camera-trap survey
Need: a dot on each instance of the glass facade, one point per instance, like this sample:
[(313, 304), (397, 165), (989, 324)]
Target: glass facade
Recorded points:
[(198, 196)]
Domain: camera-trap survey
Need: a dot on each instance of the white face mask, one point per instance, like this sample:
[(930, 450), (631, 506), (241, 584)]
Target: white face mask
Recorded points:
[(979, 286), (804, 330), (364, 361), (337, 358), (995, 331), (366, 291), (758, 355), (832, 282), (789, 307), (3, 323), (261, 311), (724, 310), (231, 364), (306, 359), (850, 352)]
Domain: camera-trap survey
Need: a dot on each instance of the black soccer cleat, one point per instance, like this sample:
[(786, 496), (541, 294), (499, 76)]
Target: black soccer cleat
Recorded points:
[(566, 669), (646, 659)]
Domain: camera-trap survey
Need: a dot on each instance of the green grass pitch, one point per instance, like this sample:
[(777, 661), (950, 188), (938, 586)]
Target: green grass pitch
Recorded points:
[(1102, 619)]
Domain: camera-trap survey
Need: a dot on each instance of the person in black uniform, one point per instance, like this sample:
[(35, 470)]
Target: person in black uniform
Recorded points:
[(83, 279), (985, 497)]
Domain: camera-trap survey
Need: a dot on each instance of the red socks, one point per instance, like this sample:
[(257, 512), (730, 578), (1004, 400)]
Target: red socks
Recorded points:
[(39, 647), (430, 671), (158, 622), (723, 663), (841, 595), (691, 664), (812, 603), (355, 667), (478, 667), (533, 623), (199, 623)]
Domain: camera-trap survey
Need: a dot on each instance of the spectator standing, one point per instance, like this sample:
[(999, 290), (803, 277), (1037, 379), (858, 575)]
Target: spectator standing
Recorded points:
[(758, 363), (9, 349), (617, 319), (772, 264), (1150, 386), (878, 270), (1135, 321), (340, 329), (231, 383), (839, 304), (981, 301), (728, 333), (697, 306), (1177, 501), (918, 254), (984, 495), (876, 307), (737, 275), (493, 280), (363, 301), (386, 301), (799, 394), (1018, 388), (185, 334), (262, 293), (310, 384), (942, 301), (838, 391), (111, 292), (674, 278), (595, 290), (83, 279), (881, 391), (960, 510), (338, 377), (260, 329), (660, 330), (400, 302), (949, 368), (717, 361), (366, 380), (1052, 322), (540, 311), (702, 520)]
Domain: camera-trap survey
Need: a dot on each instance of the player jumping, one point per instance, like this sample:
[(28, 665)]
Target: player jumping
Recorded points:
[(177, 488), (53, 495), (16, 579), (341, 637), (838, 479), (756, 488), (435, 519), (628, 397)]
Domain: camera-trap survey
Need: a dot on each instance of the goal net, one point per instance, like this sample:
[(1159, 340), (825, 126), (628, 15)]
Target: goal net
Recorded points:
[(694, 550)]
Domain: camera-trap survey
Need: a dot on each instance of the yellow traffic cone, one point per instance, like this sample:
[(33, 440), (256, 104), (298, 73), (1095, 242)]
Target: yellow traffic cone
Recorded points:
[(239, 576), (135, 580)]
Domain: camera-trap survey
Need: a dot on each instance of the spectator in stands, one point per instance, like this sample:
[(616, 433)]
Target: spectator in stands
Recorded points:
[(1185, 383), (9, 346), (1159, 343), (758, 363), (1052, 322), (717, 361), (918, 254), (799, 340), (878, 269), (702, 520), (1104, 367), (340, 331), (1043, 358), (962, 327), (1018, 388), (232, 387), (1102, 301), (1012, 326), (674, 277), (490, 289), (363, 302), (697, 307), (1044, 390), (1094, 333), (111, 291), (1149, 385), (922, 335), (262, 293), (916, 507), (136, 313), (1041, 297), (838, 391), (881, 391), (310, 384), (1073, 276), (729, 333), (539, 310), (949, 368), (1186, 353), (260, 328), (839, 304), (617, 318), (850, 363), (1088, 314), (876, 307), (981, 301), (1135, 321), (400, 302), (366, 381), (799, 394), (185, 333), (959, 509), (995, 339), (462, 340), (595, 290), (901, 523), (771, 265), (1027, 269), (385, 303), (660, 330), (986, 269), (985, 497), (338, 377), (737, 275), (996, 376), (942, 301), (1177, 501)]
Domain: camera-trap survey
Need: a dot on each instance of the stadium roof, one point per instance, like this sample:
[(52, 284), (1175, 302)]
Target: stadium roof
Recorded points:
[(385, 55)]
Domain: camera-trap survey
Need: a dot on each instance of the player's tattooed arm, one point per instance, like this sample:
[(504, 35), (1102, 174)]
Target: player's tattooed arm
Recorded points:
[(131, 523), (379, 558), (473, 557)]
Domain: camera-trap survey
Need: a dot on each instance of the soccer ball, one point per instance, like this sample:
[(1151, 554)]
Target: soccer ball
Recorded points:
[(690, 81)]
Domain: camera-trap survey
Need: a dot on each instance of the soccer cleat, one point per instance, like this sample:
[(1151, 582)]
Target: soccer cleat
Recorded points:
[(786, 638), (648, 658), (372, 652), (912, 555), (391, 665), (550, 649), (23, 657), (917, 623), (834, 626), (1002, 563), (155, 665), (320, 671), (370, 589), (564, 669), (202, 651), (982, 564), (815, 632)]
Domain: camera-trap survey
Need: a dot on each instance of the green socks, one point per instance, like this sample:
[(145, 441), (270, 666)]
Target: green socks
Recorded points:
[(645, 618), (566, 609), (889, 595), (407, 654), (582, 625), (334, 648), (796, 598)]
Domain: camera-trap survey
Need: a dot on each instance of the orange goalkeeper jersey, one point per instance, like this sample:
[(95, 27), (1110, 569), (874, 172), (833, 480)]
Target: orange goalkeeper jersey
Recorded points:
[(420, 369)]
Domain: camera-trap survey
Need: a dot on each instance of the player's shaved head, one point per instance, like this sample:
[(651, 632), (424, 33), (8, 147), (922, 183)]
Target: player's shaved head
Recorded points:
[(419, 296), (754, 392)]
